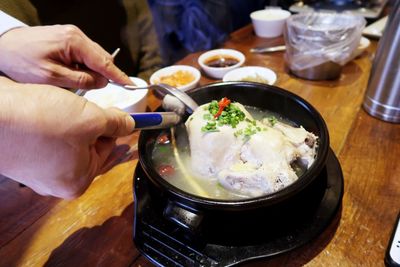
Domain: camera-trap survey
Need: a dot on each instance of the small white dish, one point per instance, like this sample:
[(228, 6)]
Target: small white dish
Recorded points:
[(269, 23), (116, 96), (182, 77), (376, 29), (209, 60), (253, 74), (364, 43)]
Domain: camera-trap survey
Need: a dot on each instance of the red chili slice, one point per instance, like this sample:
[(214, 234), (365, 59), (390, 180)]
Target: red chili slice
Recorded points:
[(166, 170), (163, 139), (222, 104)]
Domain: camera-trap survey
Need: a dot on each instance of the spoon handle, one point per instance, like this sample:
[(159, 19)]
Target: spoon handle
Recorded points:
[(128, 86), (155, 120), (268, 49), (162, 90)]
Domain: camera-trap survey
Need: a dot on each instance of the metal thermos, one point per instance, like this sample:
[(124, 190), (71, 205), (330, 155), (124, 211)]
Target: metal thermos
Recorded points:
[(382, 99)]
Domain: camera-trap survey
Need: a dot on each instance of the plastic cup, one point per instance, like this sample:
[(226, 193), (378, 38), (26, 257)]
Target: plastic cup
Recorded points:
[(318, 45)]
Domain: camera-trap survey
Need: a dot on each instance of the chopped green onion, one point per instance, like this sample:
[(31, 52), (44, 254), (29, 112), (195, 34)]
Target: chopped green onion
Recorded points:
[(207, 116), (272, 120), (231, 115)]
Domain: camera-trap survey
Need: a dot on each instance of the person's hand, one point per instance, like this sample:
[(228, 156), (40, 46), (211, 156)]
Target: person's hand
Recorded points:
[(54, 141), (60, 55)]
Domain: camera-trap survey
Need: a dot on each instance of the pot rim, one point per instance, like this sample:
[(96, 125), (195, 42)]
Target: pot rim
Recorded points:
[(247, 203)]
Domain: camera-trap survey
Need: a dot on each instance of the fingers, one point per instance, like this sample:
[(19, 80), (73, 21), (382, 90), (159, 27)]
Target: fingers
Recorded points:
[(93, 56), (52, 57), (104, 64), (103, 147), (118, 123), (76, 78)]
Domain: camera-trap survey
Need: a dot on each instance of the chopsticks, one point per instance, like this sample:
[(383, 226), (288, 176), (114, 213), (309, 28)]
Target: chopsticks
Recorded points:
[(115, 53)]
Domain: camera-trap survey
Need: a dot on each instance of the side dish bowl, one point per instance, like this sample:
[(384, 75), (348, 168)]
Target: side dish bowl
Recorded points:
[(216, 63), (364, 44), (269, 23), (251, 74), (114, 95), (182, 77)]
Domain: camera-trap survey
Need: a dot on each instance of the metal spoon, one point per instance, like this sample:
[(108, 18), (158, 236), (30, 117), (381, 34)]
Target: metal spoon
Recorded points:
[(161, 90), (268, 49)]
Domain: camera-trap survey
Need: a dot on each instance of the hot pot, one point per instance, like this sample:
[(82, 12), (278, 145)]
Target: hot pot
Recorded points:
[(249, 220)]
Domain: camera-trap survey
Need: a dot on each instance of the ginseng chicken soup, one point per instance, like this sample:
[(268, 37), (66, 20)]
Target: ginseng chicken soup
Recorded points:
[(228, 151)]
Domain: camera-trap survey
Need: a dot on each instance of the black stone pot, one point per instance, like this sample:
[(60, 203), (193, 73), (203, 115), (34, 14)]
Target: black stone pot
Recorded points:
[(241, 221)]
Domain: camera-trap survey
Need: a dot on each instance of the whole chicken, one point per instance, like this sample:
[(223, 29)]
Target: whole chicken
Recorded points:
[(248, 157)]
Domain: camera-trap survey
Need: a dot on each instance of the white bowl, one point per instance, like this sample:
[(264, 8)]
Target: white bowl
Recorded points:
[(364, 43), (251, 73), (172, 74), (219, 72), (116, 96), (269, 22)]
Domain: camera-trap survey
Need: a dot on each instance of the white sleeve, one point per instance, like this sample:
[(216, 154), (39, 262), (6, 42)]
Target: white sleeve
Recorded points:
[(7, 23)]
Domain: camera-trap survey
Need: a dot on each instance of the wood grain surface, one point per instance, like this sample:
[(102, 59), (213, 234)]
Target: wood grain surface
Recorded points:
[(96, 229)]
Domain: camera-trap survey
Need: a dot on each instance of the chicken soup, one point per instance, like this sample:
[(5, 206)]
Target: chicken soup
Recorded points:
[(228, 151)]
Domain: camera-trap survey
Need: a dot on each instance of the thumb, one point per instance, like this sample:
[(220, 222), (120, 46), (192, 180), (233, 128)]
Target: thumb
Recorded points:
[(119, 123)]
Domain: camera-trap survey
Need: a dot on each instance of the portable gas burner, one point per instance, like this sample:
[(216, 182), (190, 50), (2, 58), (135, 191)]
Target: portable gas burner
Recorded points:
[(165, 243), (370, 9)]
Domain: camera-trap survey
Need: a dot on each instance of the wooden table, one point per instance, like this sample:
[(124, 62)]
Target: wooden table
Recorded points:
[(96, 229)]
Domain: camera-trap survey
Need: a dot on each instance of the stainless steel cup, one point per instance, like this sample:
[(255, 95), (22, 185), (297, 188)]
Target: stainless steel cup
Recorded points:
[(382, 99)]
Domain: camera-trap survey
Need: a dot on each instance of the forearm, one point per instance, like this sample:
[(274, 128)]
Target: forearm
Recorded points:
[(53, 140), (7, 22), (11, 132), (36, 149), (50, 54), (17, 122)]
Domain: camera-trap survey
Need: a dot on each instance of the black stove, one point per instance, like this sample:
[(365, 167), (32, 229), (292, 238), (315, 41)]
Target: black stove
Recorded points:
[(370, 9), (166, 244)]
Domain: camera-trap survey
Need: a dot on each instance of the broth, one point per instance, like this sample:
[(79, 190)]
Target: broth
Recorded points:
[(171, 158), (221, 61)]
